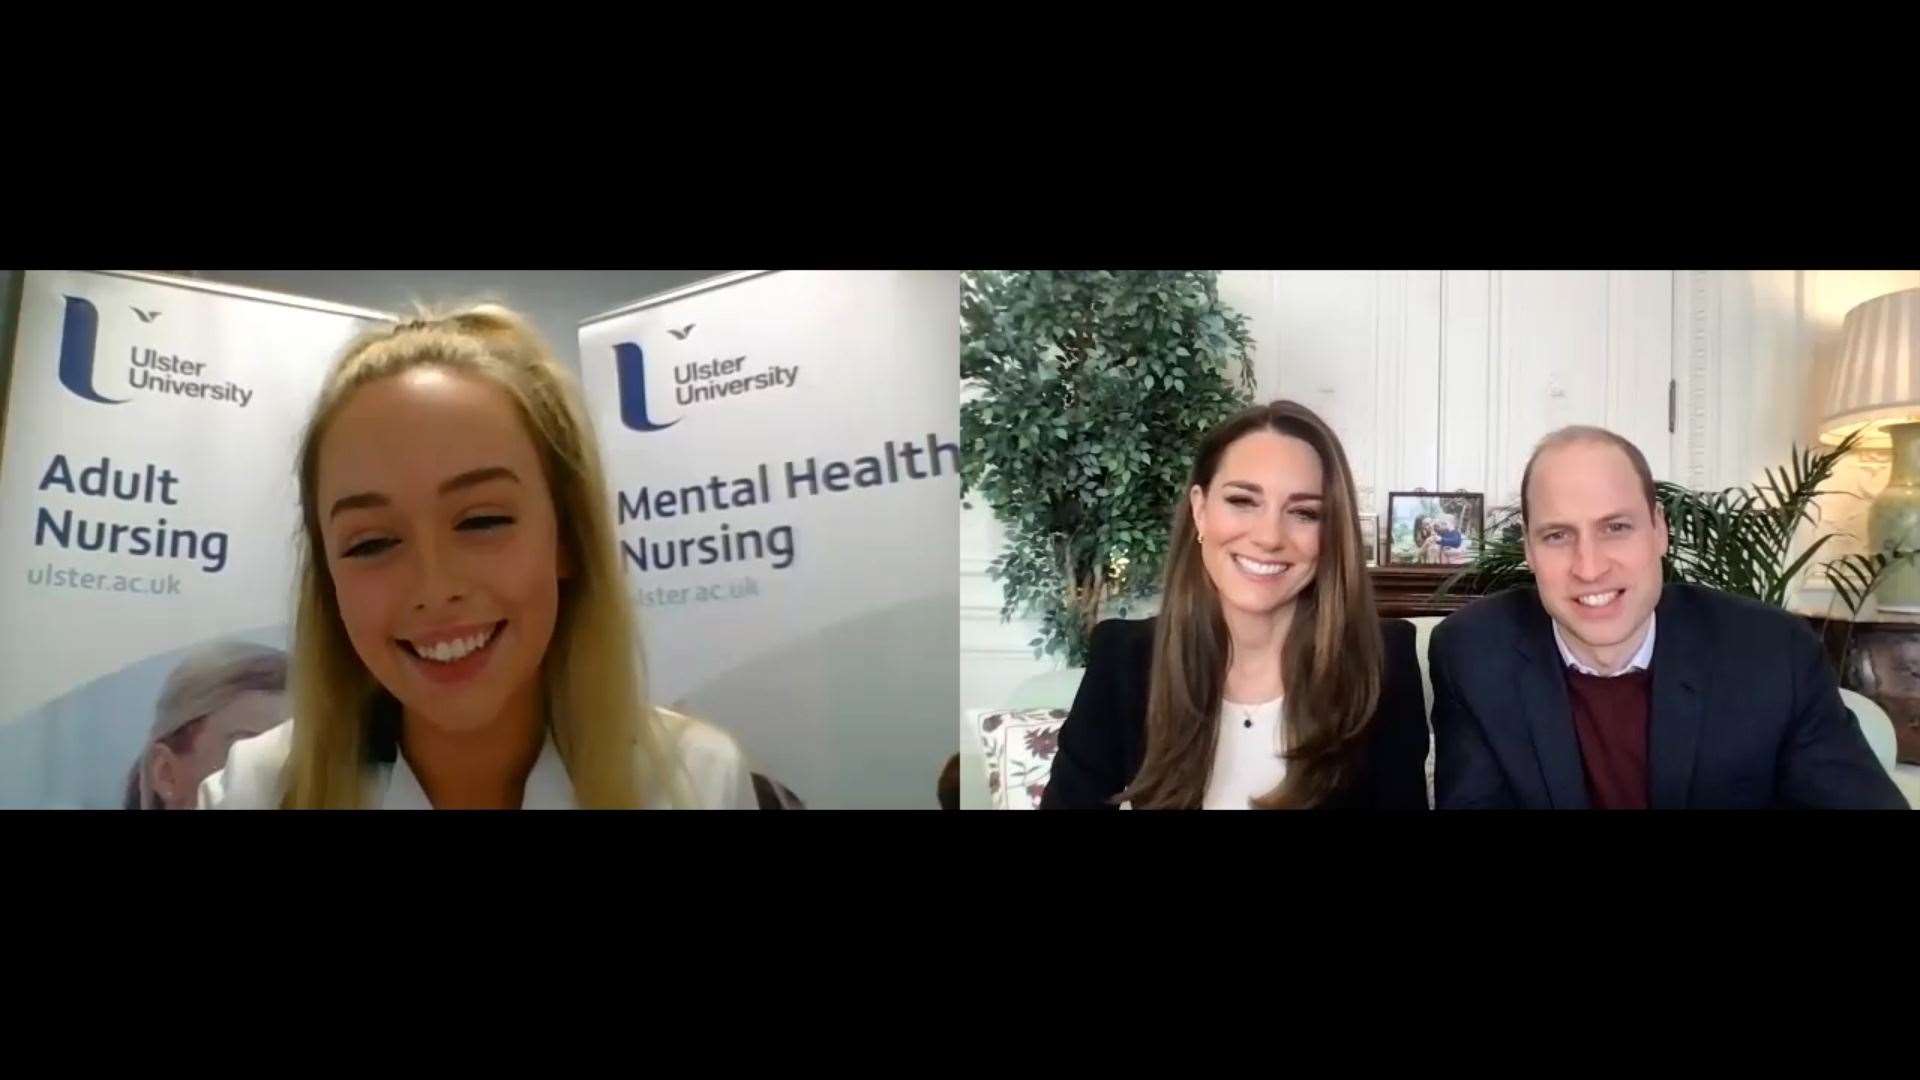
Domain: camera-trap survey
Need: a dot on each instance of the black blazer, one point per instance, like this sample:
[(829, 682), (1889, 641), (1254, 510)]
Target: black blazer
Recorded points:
[(1104, 741), (1745, 712)]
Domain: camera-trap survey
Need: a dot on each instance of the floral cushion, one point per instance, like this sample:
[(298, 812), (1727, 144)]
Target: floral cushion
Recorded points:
[(1019, 746)]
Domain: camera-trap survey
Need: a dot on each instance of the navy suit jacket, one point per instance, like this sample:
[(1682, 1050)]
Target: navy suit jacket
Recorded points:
[(1104, 741), (1745, 712)]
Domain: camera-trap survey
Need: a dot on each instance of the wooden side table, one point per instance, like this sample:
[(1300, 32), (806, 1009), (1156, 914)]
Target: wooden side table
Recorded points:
[(1881, 659), (1404, 592)]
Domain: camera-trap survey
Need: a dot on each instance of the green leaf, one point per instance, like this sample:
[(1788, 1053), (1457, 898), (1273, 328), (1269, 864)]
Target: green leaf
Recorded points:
[(1079, 463)]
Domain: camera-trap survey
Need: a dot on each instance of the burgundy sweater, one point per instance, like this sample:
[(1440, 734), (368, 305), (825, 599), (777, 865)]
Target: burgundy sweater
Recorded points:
[(1610, 716)]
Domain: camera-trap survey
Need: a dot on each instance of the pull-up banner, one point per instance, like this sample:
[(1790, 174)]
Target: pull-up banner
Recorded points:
[(785, 456), (148, 508)]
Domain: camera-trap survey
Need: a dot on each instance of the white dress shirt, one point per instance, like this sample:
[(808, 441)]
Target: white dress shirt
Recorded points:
[(1642, 657), (1246, 755), (715, 774)]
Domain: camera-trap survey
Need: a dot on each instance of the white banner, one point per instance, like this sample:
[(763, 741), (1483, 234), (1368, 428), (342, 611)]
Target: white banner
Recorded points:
[(785, 452), (148, 511)]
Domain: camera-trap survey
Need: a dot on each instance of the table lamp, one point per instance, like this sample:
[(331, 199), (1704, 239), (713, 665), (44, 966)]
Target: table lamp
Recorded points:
[(1876, 391)]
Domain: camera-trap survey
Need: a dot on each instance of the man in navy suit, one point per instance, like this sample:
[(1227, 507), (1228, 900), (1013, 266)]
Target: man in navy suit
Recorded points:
[(1603, 688)]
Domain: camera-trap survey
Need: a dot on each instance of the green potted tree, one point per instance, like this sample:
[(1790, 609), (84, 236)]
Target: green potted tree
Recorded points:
[(1085, 394)]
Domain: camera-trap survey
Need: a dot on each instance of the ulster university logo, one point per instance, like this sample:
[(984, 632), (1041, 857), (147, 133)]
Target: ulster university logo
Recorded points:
[(630, 369), (149, 370), (77, 336), (695, 382)]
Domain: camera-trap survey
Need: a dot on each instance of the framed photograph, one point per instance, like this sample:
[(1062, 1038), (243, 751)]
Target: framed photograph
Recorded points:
[(1370, 538), (1434, 528)]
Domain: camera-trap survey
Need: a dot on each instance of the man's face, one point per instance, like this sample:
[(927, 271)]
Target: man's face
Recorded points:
[(1595, 548)]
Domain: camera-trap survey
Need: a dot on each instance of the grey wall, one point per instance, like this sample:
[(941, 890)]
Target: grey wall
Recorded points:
[(10, 283), (556, 300)]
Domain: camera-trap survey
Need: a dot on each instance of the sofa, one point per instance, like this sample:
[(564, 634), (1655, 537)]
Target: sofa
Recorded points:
[(1016, 741)]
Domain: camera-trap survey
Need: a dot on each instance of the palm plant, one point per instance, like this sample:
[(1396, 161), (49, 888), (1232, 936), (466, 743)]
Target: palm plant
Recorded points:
[(1737, 540)]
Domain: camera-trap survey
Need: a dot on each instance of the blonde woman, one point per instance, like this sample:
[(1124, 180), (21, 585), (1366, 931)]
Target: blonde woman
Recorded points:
[(217, 695), (463, 637)]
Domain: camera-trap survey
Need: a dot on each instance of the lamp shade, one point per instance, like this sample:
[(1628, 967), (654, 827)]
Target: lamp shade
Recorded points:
[(1877, 381)]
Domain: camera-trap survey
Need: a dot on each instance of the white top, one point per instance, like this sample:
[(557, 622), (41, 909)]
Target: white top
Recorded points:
[(1642, 657), (1246, 755), (716, 774)]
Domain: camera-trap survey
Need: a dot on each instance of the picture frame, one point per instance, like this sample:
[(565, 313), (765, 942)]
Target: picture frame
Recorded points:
[(1370, 538), (1433, 528)]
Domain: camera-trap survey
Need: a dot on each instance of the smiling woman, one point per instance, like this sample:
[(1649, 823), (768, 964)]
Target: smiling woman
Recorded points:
[(462, 638), (1267, 680)]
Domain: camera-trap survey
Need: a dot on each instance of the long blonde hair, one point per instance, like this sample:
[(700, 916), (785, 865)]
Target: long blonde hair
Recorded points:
[(1330, 663), (593, 677)]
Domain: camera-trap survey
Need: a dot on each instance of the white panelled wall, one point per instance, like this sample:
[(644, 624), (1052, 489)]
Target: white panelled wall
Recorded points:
[(1753, 352), (1445, 379)]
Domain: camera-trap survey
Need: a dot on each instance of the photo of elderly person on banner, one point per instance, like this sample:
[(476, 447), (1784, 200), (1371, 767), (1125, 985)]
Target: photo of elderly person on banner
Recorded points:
[(219, 694)]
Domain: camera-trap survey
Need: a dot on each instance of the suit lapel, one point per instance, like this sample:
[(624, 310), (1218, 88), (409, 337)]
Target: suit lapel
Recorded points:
[(1549, 715), (1682, 680)]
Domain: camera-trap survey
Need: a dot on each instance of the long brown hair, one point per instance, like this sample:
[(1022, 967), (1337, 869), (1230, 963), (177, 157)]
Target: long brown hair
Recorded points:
[(1330, 662)]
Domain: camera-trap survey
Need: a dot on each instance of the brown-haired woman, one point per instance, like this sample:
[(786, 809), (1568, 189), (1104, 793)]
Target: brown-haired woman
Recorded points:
[(1267, 680)]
